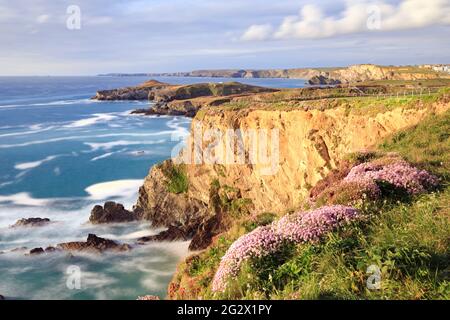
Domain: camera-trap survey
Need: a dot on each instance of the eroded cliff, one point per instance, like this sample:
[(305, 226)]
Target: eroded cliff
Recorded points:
[(199, 196)]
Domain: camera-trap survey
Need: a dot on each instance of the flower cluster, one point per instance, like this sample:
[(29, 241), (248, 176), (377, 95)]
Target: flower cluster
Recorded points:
[(400, 174), (312, 225), (297, 228), (348, 193)]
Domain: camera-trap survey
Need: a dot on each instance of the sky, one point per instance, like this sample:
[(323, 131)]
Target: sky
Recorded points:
[(88, 37)]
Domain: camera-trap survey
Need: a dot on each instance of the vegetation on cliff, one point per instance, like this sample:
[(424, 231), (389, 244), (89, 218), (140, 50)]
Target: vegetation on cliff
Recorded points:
[(403, 235)]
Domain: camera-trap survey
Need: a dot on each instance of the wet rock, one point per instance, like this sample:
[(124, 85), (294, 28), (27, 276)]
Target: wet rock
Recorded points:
[(2, 297), (94, 244), (36, 251), (111, 212), (173, 233), (31, 222), (50, 249)]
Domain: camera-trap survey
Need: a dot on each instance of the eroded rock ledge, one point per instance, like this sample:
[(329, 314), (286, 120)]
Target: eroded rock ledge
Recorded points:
[(31, 222), (94, 244), (180, 99)]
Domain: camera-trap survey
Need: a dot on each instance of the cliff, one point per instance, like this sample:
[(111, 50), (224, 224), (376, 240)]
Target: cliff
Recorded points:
[(312, 141), (350, 74), (377, 224)]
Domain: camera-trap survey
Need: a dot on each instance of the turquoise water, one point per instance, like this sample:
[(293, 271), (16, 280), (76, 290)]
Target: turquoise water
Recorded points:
[(60, 154)]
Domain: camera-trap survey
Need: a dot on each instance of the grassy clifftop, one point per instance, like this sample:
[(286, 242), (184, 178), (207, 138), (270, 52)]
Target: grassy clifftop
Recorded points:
[(405, 237)]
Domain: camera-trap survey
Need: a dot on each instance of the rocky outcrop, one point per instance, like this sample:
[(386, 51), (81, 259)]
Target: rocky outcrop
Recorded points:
[(2, 297), (173, 233), (36, 251), (140, 92), (31, 222), (111, 212), (94, 244), (323, 80), (187, 108), (206, 231), (179, 100), (164, 208)]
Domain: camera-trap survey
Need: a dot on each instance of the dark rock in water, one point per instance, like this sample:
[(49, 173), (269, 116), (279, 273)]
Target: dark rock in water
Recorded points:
[(31, 222), (36, 251), (201, 233), (2, 297), (323, 80), (94, 244), (50, 249), (111, 212), (173, 233)]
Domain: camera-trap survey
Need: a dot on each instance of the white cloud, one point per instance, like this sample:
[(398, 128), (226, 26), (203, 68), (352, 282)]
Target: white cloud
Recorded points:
[(43, 18), (258, 32), (358, 16)]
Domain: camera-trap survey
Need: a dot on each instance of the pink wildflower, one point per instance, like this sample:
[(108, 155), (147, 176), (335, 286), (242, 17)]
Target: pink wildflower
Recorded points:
[(297, 228), (400, 174)]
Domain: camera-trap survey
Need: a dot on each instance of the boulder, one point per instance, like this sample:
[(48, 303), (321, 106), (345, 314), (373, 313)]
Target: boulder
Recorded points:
[(111, 212), (2, 297), (36, 251), (31, 222), (94, 244), (173, 233), (50, 249)]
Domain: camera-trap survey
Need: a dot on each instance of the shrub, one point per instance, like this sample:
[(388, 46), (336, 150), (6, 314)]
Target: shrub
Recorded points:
[(178, 181)]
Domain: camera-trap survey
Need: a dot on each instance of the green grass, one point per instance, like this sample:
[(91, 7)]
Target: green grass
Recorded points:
[(408, 242), (427, 145), (178, 181), (334, 98)]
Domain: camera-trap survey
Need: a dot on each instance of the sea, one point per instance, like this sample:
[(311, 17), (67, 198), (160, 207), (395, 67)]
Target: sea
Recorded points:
[(61, 153)]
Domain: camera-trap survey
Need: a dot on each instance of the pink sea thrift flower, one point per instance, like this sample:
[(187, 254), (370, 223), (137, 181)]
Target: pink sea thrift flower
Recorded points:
[(297, 228), (400, 174)]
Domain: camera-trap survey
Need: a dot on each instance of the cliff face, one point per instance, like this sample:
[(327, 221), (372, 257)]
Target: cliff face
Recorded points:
[(366, 72), (311, 144), (355, 73)]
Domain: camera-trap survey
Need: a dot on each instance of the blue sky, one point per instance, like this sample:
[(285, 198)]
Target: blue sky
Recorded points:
[(175, 35)]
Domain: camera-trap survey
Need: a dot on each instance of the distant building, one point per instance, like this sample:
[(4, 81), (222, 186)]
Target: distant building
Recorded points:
[(436, 67), (442, 68)]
